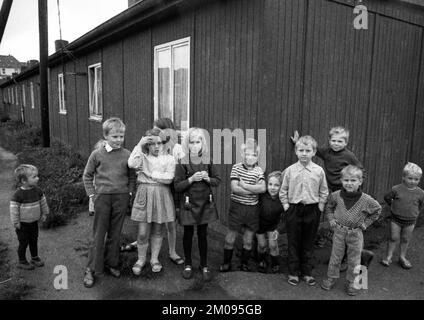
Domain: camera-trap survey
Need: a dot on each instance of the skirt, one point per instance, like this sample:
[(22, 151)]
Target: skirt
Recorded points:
[(153, 203)]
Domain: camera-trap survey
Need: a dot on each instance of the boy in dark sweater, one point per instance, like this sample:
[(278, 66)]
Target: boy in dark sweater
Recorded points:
[(109, 181), (27, 206)]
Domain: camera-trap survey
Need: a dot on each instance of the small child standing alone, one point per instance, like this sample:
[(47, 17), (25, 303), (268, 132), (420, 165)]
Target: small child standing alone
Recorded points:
[(406, 201), (27, 206), (349, 212)]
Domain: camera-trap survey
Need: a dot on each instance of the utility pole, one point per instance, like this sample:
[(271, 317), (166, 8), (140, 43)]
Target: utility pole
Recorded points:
[(44, 54), (4, 15)]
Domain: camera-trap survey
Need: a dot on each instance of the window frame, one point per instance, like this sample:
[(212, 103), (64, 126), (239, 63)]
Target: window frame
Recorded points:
[(162, 47), (32, 97), (61, 93), (23, 96), (92, 115)]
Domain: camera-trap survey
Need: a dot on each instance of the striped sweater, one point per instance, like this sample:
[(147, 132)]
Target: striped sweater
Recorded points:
[(250, 176), (28, 205), (362, 214)]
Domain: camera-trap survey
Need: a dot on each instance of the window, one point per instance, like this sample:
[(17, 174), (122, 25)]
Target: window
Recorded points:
[(9, 95), (12, 96), (23, 96), (16, 96), (3, 70), (32, 95), (61, 91), (172, 82), (95, 91)]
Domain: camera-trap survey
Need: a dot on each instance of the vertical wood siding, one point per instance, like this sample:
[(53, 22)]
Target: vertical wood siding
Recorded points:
[(274, 65)]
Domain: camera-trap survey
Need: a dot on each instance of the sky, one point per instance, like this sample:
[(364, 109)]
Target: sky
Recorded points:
[(77, 17)]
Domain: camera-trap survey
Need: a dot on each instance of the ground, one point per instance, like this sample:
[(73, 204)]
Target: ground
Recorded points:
[(67, 246)]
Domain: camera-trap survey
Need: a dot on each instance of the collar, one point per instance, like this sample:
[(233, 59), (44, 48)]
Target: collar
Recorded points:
[(309, 167), (244, 166), (109, 148)]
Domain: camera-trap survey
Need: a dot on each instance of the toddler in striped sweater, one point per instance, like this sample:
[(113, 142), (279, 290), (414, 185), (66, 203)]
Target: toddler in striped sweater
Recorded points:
[(349, 212), (27, 206)]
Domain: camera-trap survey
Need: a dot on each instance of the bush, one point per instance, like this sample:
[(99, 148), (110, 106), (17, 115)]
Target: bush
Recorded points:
[(60, 172), (16, 136)]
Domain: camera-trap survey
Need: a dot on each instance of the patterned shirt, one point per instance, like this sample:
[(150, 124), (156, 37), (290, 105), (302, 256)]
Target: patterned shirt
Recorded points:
[(363, 213), (305, 185), (250, 176), (28, 205)]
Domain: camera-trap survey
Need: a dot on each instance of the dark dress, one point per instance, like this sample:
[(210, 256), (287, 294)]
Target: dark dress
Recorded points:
[(201, 209)]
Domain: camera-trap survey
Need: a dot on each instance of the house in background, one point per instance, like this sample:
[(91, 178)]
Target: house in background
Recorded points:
[(244, 64), (9, 66)]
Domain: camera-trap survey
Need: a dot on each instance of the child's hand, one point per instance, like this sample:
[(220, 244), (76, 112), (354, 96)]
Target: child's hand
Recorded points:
[(205, 176), (145, 140), (286, 206), (332, 224), (321, 206), (44, 218), (242, 184), (17, 226), (363, 227), (196, 177), (295, 137)]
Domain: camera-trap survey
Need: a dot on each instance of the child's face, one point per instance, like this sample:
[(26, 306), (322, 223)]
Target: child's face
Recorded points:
[(338, 142), (351, 183), (250, 157), (305, 153), (155, 147), (273, 186), (115, 138), (32, 180), (411, 180), (195, 144)]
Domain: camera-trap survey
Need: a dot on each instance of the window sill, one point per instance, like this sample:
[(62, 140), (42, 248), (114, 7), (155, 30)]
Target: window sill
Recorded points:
[(63, 113), (95, 118)]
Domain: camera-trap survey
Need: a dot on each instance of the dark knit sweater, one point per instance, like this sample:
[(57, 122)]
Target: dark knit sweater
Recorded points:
[(404, 202), (108, 172), (334, 162)]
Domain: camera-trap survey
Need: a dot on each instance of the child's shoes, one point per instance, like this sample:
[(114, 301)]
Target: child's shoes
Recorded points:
[(113, 271), (310, 281), (187, 272), (244, 267), (37, 262), (262, 266), (226, 267), (329, 283), (24, 265), (88, 278), (351, 290), (405, 264), (293, 280), (206, 274), (386, 262), (137, 267)]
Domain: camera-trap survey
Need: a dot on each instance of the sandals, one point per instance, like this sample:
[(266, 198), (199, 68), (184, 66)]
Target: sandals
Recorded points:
[(405, 264), (178, 261), (293, 280), (128, 247), (310, 281), (138, 266), (156, 267), (386, 262)]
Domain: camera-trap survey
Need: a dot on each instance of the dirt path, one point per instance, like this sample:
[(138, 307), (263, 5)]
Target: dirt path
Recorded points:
[(67, 246)]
